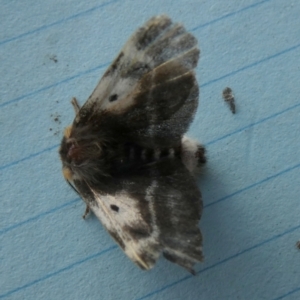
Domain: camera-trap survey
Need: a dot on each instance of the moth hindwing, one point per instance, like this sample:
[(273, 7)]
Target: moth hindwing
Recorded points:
[(126, 153)]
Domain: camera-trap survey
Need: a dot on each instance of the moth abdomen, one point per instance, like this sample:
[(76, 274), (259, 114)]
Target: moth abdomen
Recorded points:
[(135, 153), (192, 154)]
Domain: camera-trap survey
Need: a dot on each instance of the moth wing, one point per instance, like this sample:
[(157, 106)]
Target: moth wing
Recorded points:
[(150, 89), (152, 210)]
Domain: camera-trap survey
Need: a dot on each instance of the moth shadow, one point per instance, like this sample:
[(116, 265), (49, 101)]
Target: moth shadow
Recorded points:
[(225, 222)]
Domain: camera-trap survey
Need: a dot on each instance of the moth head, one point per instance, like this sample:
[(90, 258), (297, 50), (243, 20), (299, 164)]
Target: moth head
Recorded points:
[(80, 152)]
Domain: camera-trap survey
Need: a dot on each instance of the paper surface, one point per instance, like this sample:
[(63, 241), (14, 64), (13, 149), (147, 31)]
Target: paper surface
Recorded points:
[(53, 50)]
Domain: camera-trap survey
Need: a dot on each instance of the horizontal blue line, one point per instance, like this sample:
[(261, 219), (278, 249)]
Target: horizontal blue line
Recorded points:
[(39, 216), (56, 22), (288, 294), (253, 124), (229, 15), (106, 64), (113, 247), (208, 144), (28, 157), (254, 185), (252, 65), (205, 84), (57, 272), (5, 230), (207, 205), (186, 277), (52, 85), (111, 2), (275, 237)]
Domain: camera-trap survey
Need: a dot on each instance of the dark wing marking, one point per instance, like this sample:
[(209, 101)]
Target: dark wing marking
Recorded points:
[(149, 211), (150, 90)]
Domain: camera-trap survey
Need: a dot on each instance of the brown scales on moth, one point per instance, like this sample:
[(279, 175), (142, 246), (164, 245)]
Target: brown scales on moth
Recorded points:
[(126, 153)]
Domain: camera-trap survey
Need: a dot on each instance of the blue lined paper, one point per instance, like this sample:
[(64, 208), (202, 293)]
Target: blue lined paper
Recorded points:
[(250, 186)]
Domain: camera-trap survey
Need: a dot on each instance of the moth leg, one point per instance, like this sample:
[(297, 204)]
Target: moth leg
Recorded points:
[(76, 105), (87, 211)]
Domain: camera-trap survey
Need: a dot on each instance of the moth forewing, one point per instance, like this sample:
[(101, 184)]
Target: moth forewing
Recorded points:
[(126, 153)]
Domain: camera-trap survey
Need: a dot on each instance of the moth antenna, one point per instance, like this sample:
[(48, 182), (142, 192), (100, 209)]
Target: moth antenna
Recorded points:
[(76, 105)]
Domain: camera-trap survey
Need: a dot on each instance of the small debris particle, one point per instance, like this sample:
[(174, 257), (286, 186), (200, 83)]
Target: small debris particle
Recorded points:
[(56, 118), (229, 98), (53, 58)]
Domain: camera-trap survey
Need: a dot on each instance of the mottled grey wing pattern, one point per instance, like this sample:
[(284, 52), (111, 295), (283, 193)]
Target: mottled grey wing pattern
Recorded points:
[(149, 211), (149, 93), (123, 151)]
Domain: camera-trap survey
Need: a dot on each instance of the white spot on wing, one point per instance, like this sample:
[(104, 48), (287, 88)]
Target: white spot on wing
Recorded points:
[(128, 215)]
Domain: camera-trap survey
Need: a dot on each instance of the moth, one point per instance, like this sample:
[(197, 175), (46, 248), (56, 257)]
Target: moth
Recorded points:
[(126, 154)]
